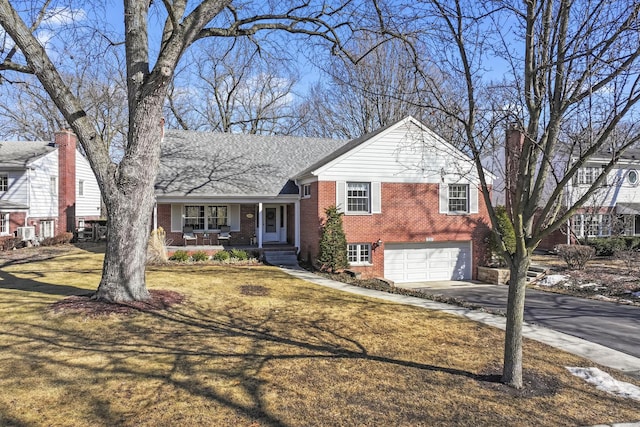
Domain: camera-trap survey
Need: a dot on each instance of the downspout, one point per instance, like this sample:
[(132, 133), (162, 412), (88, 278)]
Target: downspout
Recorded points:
[(26, 217)]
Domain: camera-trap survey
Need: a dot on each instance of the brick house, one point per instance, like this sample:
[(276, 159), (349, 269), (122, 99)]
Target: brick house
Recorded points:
[(45, 188), (410, 199)]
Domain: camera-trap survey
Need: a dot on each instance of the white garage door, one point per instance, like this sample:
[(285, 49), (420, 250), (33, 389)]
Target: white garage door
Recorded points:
[(418, 262)]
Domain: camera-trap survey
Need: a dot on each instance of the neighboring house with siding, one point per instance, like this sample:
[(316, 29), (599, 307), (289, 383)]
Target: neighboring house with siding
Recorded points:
[(410, 199), (614, 208), (48, 187)]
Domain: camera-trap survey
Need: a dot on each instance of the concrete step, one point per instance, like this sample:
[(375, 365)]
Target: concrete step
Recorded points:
[(285, 257)]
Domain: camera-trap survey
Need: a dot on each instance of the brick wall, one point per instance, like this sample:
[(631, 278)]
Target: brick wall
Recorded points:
[(410, 213)]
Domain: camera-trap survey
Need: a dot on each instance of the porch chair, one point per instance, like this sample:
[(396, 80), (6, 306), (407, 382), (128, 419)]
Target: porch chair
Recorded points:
[(188, 234), (224, 234)]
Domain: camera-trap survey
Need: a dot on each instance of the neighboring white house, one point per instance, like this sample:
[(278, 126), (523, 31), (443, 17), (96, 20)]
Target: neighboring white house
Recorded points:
[(614, 208), (45, 188)]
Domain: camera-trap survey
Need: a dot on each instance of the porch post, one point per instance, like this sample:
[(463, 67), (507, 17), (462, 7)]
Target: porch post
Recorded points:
[(260, 225), (296, 224), (155, 216)]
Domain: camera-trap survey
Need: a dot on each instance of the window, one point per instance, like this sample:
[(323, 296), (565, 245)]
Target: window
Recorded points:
[(359, 253), (53, 185), (306, 190), (4, 223), (213, 217), (632, 177), (46, 229), (588, 175), (216, 217), (458, 198), (81, 188), (194, 217), (576, 225), (4, 183), (592, 225), (358, 197)]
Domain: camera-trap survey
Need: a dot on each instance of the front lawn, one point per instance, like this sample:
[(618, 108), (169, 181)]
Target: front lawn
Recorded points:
[(253, 346)]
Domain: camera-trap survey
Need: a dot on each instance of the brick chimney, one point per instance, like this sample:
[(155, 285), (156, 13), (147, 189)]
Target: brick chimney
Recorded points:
[(512, 150), (65, 141)]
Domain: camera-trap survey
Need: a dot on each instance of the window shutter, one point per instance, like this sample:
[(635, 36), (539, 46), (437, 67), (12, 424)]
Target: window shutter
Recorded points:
[(341, 195), (376, 199), (234, 217), (473, 199), (444, 198), (176, 217)]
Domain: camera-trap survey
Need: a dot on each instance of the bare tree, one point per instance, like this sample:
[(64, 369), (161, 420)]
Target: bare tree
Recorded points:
[(234, 87), (382, 88), (547, 67), (151, 60)]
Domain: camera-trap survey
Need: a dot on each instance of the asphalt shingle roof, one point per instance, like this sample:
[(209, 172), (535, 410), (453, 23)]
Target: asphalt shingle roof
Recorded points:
[(222, 164), (18, 154)]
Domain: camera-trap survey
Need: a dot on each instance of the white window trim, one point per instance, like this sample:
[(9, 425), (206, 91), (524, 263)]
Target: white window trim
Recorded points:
[(637, 179), (81, 187), (363, 212), (4, 229), (582, 228), (305, 191), (4, 187), (359, 254), (205, 215)]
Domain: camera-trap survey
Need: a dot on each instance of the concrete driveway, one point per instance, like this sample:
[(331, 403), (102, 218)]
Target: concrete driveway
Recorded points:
[(613, 325)]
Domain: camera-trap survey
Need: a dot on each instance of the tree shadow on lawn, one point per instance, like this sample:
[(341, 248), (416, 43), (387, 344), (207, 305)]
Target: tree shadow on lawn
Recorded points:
[(10, 281), (186, 335)]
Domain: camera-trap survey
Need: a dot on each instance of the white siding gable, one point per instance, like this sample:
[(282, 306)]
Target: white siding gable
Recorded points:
[(406, 153), (617, 190), (43, 202), (89, 203)]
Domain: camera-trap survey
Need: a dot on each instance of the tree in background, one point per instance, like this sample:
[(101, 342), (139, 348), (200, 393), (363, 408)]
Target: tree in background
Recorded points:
[(551, 69), (333, 242), (234, 86), (152, 56)]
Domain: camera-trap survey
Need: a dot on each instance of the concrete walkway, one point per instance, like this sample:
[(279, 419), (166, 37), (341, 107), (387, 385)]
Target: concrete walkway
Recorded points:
[(597, 353)]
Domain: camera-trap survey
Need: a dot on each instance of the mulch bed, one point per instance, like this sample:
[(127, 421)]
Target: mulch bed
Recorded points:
[(85, 305)]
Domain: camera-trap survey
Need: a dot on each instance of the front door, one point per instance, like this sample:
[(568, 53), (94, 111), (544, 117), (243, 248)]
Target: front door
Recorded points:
[(274, 224)]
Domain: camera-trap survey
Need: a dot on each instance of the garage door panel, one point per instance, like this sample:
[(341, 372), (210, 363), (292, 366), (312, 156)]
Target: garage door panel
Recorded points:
[(412, 262)]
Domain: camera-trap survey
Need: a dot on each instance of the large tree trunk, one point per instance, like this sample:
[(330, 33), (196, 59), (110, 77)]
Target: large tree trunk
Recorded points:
[(123, 270), (512, 370), (129, 199)]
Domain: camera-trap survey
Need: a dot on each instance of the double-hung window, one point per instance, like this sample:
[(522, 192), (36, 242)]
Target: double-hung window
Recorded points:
[(194, 217), (209, 217), (4, 183), (4, 224), (588, 175), (458, 198), (216, 217), (359, 253), (358, 197)]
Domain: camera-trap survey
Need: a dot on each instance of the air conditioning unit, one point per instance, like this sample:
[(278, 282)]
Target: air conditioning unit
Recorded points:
[(26, 233)]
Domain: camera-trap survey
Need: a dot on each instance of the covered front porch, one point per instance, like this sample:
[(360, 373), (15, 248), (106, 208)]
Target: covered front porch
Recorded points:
[(250, 224)]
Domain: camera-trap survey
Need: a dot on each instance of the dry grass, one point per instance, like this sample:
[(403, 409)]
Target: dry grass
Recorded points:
[(252, 346)]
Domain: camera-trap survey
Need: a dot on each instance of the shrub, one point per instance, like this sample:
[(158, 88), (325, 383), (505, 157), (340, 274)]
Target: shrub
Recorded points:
[(333, 242), (58, 239), (180, 256), (239, 254), (221, 256), (11, 242), (607, 246), (200, 256), (576, 256), (630, 257)]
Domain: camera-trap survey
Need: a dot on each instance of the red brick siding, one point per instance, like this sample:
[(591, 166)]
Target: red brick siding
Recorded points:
[(247, 226), (410, 213), (16, 219), (65, 140)]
